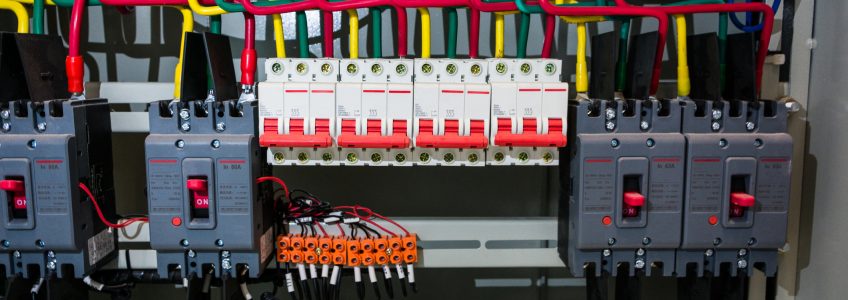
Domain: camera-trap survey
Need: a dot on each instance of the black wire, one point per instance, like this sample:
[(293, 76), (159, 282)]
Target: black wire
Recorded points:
[(367, 228)]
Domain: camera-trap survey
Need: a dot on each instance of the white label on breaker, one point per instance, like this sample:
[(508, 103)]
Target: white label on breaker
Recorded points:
[(289, 283), (100, 246)]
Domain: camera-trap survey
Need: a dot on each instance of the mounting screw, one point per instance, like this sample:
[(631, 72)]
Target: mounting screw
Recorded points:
[(4, 114), (180, 144), (644, 125), (716, 126), (225, 254), (184, 243), (448, 157), (17, 254), (742, 252), (611, 241), (220, 126), (184, 114), (32, 144), (216, 144), (39, 243), (716, 241), (650, 142), (742, 264), (750, 126), (41, 126), (606, 252), (708, 253), (640, 252), (7, 126), (219, 243), (722, 143), (717, 114), (185, 126), (472, 158), (400, 157), (614, 143), (6, 243), (640, 263), (646, 241), (758, 143), (609, 113), (792, 105), (191, 253), (610, 125)]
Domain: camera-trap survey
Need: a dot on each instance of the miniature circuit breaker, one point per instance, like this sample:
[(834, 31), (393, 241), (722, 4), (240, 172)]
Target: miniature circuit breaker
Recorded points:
[(626, 173), (210, 217), (451, 109), (737, 186), (297, 111), (48, 226), (529, 106), (374, 112)]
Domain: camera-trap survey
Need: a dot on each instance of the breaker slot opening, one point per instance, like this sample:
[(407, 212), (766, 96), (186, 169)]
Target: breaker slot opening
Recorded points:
[(633, 197), (16, 201), (198, 188), (740, 197)]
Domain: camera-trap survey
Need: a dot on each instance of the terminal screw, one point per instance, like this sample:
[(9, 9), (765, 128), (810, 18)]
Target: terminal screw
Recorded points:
[(523, 157), (607, 252), (448, 157), (184, 243), (326, 157), (609, 113), (548, 157), (4, 114), (301, 68), (717, 114), (499, 156), (184, 114), (302, 157), (400, 157), (742, 264), (216, 144), (17, 254), (351, 157), (476, 69), (191, 253), (451, 69), (610, 125), (501, 68), (424, 157), (185, 126), (352, 69), (7, 126), (376, 157), (472, 158), (377, 69), (550, 69), (526, 68), (400, 69), (640, 252), (221, 126), (640, 263), (750, 126), (742, 252), (708, 253), (326, 69), (277, 68), (716, 126), (41, 126), (278, 157), (427, 68), (644, 125)]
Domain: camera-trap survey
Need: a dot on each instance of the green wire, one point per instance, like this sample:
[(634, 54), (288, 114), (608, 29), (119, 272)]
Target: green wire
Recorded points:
[(722, 46), (523, 30), (38, 16), (621, 65), (302, 34), (376, 31), (69, 3), (450, 50), (215, 24)]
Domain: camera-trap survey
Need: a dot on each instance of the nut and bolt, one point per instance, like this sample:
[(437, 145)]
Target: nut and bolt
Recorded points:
[(4, 114), (184, 243), (7, 126), (225, 254), (792, 105), (301, 68), (500, 68), (476, 69), (377, 69), (614, 143), (448, 157), (472, 158), (526, 68), (708, 253), (427, 68), (216, 144), (742, 264), (51, 265), (722, 143), (752, 241), (451, 69), (326, 69), (278, 157), (607, 252), (376, 157), (717, 114), (400, 69), (180, 144), (219, 243), (523, 157), (499, 156), (640, 263), (400, 157), (424, 157), (277, 68), (184, 114), (610, 125), (351, 157), (302, 157), (352, 69), (716, 126), (185, 126), (327, 157), (550, 68), (611, 241), (609, 113), (650, 142), (221, 126), (51, 254), (548, 157), (750, 126)]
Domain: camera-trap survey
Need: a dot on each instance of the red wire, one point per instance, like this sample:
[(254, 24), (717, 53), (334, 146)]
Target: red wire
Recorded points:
[(102, 217), (370, 214), (341, 230), (550, 27), (373, 223), (327, 17), (249, 31), (279, 9), (328, 7), (322, 229), (76, 24), (277, 180), (474, 33)]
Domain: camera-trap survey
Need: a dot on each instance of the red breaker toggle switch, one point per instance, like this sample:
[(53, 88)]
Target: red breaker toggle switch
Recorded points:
[(296, 137), (18, 191), (199, 193), (529, 138), (739, 202), (374, 137), (633, 202), (451, 139)]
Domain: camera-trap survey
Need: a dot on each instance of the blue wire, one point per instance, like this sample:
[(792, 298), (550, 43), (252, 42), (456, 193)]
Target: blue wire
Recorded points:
[(748, 28)]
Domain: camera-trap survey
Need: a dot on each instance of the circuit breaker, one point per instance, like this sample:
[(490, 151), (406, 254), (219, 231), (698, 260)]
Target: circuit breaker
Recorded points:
[(451, 110), (297, 111), (529, 106), (626, 173), (374, 112), (48, 226), (209, 215), (737, 186)]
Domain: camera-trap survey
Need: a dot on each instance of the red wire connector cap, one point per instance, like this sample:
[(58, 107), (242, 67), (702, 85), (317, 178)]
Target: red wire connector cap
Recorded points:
[(248, 66), (75, 70)]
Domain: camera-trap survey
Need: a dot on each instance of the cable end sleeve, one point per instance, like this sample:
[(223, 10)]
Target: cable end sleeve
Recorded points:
[(248, 66), (75, 70)]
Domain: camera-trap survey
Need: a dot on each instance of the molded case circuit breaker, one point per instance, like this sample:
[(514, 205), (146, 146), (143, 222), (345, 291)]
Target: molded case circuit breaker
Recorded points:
[(374, 112), (209, 216), (528, 112), (626, 172), (297, 111), (737, 186), (48, 226), (451, 109)]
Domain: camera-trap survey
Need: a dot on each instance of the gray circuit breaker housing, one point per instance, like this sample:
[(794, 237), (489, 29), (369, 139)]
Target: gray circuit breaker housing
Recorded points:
[(737, 186), (233, 228), (50, 147), (623, 150)]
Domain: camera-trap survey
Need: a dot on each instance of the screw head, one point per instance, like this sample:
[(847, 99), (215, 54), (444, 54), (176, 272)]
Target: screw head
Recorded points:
[(185, 126), (226, 264), (750, 126), (708, 253), (51, 254), (717, 114), (501, 68), (180, 144), (611, 241), (326, 69), (6, 243), (225, 254), (752, 241), (523, 157), (351, 157), (614, 143), (476, 69), (742, 264), (548, 157), (451, 69), (472, 158), (640, 263), (550, 68), (377, 69), (646, 241), (327, 157), (7, 126), (715, 126), (41, 126), (184, 114), (301, 68), (640, 252), (184, 243), (401, 69), (526, 68), (742, 252), (376, 157), (17, 254), (424, 157), (216, 144), (606, 252), (644, 125), (499, 157), (32, 144), (278, 157), (51, 265), (39, 243), (610, 125), (722, 143), (448, 157), (717, 241), (427, 68), (302, 157), (219, 243), (609, 113), (758, 143), (221, 126), (277, 68), (352, 68), (400, 157), (4, 114), (650, 142)]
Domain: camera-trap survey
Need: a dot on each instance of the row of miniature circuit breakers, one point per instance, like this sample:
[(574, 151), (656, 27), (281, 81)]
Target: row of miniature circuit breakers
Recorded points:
[(404, 112)]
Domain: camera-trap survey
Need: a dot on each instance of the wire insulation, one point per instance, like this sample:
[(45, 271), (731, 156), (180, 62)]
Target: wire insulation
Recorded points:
[(123, 224)]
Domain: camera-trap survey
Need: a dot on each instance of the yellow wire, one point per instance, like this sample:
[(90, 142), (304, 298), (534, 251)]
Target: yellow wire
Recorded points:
[(279, 40), (48, 2), (499, 32), (213, 10), (582, 74), (20, 12), (188, 26), (683, 84), (578, 19), (353, 34), (425, 31)]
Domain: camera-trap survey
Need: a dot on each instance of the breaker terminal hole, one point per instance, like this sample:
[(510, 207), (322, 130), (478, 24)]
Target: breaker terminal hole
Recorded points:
[(199, 110), (56, 109), (629, 109), (701, 109), (736, 109), (21, 110), (769, 108)]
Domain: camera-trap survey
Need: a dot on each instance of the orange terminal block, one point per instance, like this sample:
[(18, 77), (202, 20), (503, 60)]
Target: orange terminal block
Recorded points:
[(410, 256), (367, 259), (367, 245), (325, 243), (283, 242), (410, 241), (353, 260), (297, 242), (395, 243), (283, 256), (396, 257), (352, 247), (339, 244), (325, 259), (310, 257), (338, 259), (296, 256), (382, 258), (381, 244), (311, 243)]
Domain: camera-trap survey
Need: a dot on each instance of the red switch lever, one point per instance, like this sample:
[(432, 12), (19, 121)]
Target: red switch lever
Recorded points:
[(739, 202), (296, 137), (17, 189), (451, 139), (529, 138), (633, 201), (373, 137), (200, 193)]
